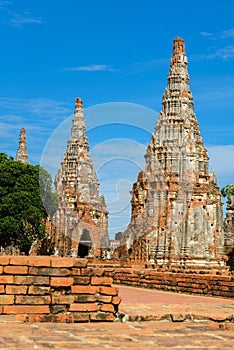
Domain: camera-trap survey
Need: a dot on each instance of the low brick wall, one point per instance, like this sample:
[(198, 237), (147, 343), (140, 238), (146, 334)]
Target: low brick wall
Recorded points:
[(55, 289), (197, 282)]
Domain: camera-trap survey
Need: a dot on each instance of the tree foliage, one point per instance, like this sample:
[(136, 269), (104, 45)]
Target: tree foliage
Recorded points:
[(21, 203), (228, 191)]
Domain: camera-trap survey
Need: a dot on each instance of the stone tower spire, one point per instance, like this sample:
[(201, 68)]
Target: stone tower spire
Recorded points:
[(82, 215), (176, 205), (22, 152)]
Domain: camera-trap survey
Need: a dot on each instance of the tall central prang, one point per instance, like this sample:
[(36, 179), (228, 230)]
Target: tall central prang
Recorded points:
[(176, 205), (82, 219)]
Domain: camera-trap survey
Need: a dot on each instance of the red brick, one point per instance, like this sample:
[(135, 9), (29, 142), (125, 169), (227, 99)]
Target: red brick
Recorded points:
[(49, 271), (16, 289), (83, 307), (58, 308), (61, 281), (81, 316), (28, 280), (6, 279), (1, 270), (84, 289), (1, 311), (86, 271), (4, 260), (80, 262), (81, 298), (104, 298), (230, 284), (101, 281), (107, 308), (33, 300), (75, 271), (62, 262), (19, 260), (102, 316), (41, 280), (98, 271), (6, 299), (116, 300), (81, 280), (16, 270), (24, 280), (40, 261), (63, 299), (51, 318), (38, 290), (2, 290), (90, 271), (109, 290), (20, 317), (26, 309)]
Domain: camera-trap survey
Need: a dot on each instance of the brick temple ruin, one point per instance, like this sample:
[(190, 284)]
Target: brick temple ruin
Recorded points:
[(176, 240), (176, 218), (81, 220), (176, 215)]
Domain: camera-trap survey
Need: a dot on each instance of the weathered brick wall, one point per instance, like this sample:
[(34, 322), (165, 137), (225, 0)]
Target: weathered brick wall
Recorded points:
[(38, 289), (198, 282)]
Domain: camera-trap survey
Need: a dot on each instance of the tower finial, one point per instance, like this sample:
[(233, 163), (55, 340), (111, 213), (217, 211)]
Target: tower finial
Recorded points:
[(22, 152), (178, 54), (79, 102), (179, 46)]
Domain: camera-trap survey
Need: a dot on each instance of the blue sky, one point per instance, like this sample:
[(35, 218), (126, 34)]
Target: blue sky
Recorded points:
[(109, 51)]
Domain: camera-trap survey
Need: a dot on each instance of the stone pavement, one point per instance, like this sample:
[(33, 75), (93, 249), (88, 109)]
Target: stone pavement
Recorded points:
[(153, 305), (209, 326)]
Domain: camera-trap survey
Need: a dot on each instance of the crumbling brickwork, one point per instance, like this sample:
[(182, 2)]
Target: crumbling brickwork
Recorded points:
[(192, 281), (55, 289), (176, 204)]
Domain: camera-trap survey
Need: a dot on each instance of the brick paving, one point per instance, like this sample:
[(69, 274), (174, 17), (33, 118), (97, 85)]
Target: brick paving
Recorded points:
[(145, 304), (211, 330)]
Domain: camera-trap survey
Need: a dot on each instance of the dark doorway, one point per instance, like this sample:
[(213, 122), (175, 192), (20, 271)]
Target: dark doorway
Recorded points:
[(84, 245)]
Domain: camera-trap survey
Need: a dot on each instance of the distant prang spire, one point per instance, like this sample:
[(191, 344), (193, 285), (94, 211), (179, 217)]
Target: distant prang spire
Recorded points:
[(22, 152), (81, 220)]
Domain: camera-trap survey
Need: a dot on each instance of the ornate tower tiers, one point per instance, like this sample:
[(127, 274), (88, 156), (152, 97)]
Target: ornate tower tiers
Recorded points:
[(22, 152), (82, 219), (176, 205)]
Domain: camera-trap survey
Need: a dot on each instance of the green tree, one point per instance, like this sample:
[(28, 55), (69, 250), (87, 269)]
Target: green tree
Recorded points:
[(228, 191), (21, 203)]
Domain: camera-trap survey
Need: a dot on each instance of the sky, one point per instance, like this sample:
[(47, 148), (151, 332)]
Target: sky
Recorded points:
[(115, 55)]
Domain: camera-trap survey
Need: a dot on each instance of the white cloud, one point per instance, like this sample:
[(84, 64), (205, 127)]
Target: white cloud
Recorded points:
[(39, 117), (3, 3), (18, 20), (43, 108), (225, 53), (227, 33), (206, 34), (90, 68)]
